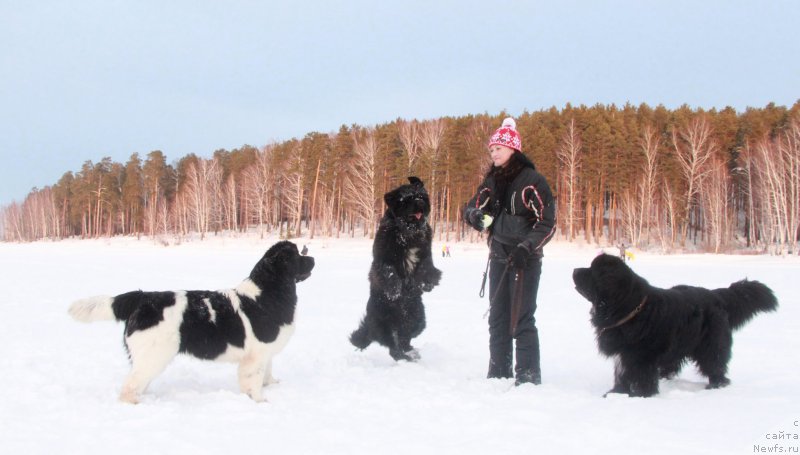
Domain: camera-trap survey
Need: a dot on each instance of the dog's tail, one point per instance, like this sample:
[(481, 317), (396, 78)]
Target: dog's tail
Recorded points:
[(106, 308), (746, 299), (97, 308), (360, 337)]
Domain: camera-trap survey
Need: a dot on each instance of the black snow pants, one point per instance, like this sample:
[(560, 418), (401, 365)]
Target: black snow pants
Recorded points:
[(503, 285)]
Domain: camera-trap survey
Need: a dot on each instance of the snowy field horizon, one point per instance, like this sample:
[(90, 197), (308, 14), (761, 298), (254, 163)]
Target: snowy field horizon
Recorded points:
[(61, 378)]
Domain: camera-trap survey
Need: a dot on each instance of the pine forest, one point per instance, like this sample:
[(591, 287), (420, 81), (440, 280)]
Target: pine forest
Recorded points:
[(651, 178)]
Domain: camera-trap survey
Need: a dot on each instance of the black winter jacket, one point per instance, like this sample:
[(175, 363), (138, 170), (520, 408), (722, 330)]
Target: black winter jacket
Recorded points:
[(522, 205)]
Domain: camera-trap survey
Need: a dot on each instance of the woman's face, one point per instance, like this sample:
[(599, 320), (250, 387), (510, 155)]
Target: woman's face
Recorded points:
[(500, 154)]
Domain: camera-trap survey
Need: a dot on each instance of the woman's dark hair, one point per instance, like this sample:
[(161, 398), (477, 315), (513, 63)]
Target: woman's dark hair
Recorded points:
[(503, 176), (516, 163)]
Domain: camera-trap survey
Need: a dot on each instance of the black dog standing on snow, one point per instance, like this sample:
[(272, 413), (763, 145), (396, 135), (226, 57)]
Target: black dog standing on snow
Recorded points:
[(402, 269), (652, 331)]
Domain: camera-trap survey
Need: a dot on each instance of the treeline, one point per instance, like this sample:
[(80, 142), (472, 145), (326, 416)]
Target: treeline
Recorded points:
[(643, 176)]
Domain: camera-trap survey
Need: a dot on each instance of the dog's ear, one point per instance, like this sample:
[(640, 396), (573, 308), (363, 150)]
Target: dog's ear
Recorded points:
[(391, 198), (416, 182)]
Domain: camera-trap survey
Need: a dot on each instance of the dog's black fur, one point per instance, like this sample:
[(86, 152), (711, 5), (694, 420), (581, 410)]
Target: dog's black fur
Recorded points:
[(209, 325), (672, 325), (402, 269)]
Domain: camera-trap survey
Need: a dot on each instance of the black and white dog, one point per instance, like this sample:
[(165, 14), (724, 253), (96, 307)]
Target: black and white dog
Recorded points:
[(402, 269), (248, 324)]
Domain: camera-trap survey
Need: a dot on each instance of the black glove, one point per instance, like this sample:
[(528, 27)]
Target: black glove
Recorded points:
[(519, 257), (475, 218)]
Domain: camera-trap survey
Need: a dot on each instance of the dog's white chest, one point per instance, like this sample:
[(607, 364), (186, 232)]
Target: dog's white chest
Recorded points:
[(284, 333), (412, 257)]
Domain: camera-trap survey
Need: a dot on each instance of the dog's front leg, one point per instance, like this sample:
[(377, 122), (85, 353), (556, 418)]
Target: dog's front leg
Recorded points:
[(252, 371), (621, 383), (428, 274), (268, 379), (644, 381), (635, 378), (386, 278)]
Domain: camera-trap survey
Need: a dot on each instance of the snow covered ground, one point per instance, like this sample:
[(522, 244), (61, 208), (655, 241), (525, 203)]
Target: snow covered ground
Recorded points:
[(59, 379)]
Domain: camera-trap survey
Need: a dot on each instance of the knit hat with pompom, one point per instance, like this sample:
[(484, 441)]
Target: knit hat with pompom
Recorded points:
[(507, 135)]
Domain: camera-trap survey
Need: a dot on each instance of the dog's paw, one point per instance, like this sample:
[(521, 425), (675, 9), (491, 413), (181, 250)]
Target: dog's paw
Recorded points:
[(615, 395), (428, 277), (393, 289), (257, 396), (413, 355), (436, 276), (129, 397), (618, 390), (718, 383)]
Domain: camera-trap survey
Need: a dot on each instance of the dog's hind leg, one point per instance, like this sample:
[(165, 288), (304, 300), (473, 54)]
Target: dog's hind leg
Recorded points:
[(400, 348), (149, 356), (411, 353), (712, 356), (394, 347)]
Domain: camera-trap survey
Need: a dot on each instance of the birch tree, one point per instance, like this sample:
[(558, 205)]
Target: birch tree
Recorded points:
[(294, 186), (790, 152), (229, 203), (668, 216), (258, 188), (11, 223), (431, 134), (360, 184), (410, 138), (327, 202), (153, 173), (693, 148), (202, 191), (715, 197), (777, 187), (570, 158), (647, 184)]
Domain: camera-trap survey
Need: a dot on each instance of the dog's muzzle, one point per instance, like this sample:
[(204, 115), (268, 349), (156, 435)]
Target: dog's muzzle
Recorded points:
[(306, 265)]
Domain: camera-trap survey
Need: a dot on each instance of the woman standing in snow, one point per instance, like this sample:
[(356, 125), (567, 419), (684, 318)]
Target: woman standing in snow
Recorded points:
[(515, 205)]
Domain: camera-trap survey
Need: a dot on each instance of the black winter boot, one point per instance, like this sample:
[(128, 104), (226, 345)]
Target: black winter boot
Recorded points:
[(500, 365), (528, 377), (527, 368)]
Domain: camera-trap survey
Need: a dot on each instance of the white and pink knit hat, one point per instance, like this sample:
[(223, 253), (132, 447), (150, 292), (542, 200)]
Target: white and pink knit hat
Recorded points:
[(507, 135)]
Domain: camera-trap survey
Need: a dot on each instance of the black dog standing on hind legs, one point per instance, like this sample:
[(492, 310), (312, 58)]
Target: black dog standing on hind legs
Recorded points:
[(402, 269)]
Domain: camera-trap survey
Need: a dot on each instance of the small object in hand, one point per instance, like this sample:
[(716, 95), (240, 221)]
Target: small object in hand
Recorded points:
[(487, 221)]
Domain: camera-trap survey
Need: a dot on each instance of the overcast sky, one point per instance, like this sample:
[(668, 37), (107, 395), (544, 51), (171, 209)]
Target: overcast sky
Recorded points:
[(81, 79)]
